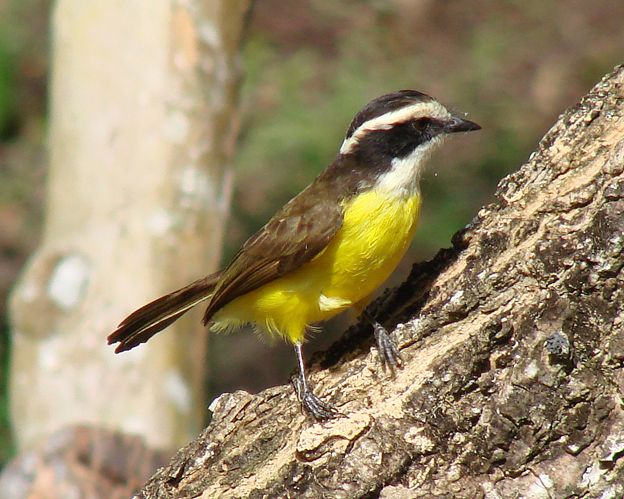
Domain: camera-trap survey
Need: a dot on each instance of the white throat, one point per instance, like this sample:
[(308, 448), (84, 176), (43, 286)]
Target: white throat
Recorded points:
[(403, 178)]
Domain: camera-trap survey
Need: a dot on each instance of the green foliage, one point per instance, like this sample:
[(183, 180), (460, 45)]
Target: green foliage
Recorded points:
[(6, 444), (7, 89)]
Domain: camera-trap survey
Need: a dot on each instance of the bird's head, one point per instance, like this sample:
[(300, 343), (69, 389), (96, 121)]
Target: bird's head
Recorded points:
[(401, 125)]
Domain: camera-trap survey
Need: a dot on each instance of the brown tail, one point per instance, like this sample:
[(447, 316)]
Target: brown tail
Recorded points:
[(148, 320)]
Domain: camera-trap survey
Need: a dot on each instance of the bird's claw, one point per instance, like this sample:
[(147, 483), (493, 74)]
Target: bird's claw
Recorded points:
[(388, 352), (312, 405)]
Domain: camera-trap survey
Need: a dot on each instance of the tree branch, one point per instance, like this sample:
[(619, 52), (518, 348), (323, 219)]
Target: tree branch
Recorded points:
[(513, 341)]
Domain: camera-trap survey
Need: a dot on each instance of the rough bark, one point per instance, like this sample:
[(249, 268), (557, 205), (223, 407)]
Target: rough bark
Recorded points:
[(143, 107), (514, 345), (81, 462)]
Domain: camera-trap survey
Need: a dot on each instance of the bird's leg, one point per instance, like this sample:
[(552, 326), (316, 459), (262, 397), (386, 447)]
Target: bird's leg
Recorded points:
[(315, 407), (388, 352)]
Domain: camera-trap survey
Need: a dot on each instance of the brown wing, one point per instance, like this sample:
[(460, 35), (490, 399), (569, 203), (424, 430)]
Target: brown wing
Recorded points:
[(297, 233)]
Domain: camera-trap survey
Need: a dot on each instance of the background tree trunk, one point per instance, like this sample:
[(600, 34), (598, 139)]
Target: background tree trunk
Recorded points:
[(143, 124), (514, 345)]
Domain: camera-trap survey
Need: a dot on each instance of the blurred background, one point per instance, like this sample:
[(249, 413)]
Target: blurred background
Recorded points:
[(309, 65)]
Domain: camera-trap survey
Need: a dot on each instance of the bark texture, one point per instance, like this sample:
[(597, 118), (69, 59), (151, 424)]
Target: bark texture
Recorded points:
[(143, 122), (81, 462), (514, 345)]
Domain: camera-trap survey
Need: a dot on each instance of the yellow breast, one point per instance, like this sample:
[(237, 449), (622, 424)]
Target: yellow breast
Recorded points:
[(376, 232)]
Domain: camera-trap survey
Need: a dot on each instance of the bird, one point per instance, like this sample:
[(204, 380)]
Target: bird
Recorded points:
[(327, 249)]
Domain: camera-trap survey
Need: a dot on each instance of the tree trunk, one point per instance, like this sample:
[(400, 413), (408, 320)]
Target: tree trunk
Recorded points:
[(143, 107), (513, 341)]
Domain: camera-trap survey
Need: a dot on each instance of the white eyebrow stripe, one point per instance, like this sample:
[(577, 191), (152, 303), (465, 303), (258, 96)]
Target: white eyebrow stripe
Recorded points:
[(388, 120)]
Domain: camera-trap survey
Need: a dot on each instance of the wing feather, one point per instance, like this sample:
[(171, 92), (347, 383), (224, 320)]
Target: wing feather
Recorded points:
[(295, 235)]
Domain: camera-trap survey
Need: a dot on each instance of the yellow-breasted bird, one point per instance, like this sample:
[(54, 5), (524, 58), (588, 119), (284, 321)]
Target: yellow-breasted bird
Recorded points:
[(330, 246)]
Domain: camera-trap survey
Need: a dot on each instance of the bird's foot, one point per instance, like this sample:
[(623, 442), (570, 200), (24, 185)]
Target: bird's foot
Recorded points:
[(388, 352), (312, 405)]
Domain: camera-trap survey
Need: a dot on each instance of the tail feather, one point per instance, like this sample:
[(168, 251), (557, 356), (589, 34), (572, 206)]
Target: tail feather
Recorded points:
[(148, 320)]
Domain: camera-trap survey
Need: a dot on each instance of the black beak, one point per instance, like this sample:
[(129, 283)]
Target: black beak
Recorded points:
[(457, 124)]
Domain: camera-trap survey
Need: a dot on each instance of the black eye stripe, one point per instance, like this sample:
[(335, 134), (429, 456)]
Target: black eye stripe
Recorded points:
[(427, 123), (398, 139), (385, 104)]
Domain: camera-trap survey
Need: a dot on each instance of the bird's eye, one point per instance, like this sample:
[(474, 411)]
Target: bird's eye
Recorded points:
[(421, 123)]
